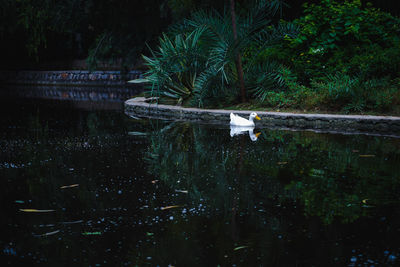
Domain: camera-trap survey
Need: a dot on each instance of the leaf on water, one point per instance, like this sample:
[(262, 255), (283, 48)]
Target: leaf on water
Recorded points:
[(91, 233), (181, 191), (69, 186), (80, 221), (282, 162), (19, 201), (241, 247), (365, 201), (139, 81), (169, 207), (366, 156), (154, 181), (137, 133), (50, 233), (149, 234), (355, 151), (35, 210), (133, 117)]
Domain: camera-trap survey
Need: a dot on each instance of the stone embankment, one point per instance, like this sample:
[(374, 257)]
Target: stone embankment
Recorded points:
[(384, 125), (68, 77), (73, 93)]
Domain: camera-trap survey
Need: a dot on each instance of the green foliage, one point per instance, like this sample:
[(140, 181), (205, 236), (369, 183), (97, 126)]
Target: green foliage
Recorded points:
[(266, 76), (376, 61), (331, 24), (213, 78), (346, 55), (354, 94), (173, 69), (264, 79), (336, 92), (344, 37)]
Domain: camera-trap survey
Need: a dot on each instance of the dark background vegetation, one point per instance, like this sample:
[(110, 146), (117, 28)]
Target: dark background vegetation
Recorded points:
[(50, 34)]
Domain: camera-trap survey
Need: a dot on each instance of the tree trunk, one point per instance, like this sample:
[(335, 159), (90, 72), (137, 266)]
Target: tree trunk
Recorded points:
[(238, 59)]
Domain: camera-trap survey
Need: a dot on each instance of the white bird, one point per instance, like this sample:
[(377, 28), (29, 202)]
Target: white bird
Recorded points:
[(239, 121), (237, 130)]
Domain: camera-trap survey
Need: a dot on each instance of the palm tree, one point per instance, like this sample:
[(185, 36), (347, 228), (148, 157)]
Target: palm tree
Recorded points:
[(199, 60)]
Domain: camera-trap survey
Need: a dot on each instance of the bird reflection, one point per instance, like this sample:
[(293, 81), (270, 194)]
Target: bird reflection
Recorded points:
[(237, 130)]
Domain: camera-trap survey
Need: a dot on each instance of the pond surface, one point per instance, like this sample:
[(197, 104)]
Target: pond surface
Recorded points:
[(97, 188)]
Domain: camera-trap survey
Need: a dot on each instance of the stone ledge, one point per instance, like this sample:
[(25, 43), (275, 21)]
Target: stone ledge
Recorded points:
[(387, 125)]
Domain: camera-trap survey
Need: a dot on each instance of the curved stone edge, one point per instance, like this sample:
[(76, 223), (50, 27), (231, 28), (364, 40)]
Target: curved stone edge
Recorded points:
[(387, 125)]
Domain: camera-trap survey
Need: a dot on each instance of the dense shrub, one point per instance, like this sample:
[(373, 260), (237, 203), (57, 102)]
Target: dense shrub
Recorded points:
[(332, 33), (347, 55)]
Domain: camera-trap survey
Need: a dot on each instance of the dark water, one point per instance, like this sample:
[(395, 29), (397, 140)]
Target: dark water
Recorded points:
[(154, 193)]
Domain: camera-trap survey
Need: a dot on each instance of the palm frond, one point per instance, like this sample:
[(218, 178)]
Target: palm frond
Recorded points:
[(264, 78)]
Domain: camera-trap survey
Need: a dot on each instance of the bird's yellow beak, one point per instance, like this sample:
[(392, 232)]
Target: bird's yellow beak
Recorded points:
[(258, 118), (257, 134)]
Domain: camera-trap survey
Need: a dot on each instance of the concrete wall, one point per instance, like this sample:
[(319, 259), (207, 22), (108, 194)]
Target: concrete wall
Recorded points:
[(321, 122)]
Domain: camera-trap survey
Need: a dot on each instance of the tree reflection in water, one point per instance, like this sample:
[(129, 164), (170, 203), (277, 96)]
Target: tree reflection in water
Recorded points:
[(267, 185)]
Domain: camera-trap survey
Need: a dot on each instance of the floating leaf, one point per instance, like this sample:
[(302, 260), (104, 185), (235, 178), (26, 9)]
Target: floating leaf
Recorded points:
[(139, 81), (149, 234), (169, 207), (80, 221), (69, 186), (35, 210), (241, 247), (181, 191), (91, 233), (50, 233), (282, 162), (19, 201), (133, 117), (366, 156), (154, 181), (137, 133), (365, 201), (355, 151)]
